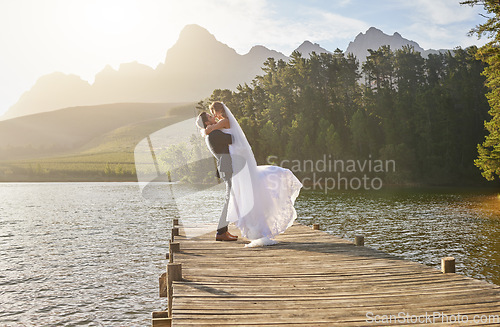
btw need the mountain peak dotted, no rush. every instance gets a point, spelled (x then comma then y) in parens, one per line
(307, 47)
(195, 42)
(372, 30)
(258, 48)
(195, 31)
(374, 39)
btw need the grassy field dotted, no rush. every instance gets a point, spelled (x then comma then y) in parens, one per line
(117, 166)
(108, 155)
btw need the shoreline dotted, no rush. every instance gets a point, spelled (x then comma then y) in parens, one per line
(407, 186)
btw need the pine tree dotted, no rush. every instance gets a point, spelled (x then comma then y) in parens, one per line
(489, 151)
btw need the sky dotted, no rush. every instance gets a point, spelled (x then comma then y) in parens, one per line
(81, 37)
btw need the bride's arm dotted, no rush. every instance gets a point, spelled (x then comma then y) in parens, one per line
(221, 124)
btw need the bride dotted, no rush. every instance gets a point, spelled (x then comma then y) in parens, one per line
(262, 197)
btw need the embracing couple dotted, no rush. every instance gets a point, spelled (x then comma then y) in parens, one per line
(259, 199)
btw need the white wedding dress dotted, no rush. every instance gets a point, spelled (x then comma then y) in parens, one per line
(262, 197)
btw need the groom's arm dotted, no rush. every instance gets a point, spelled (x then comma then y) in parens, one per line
(222, 137)
(228, 138)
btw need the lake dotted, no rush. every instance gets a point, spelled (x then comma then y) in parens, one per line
(90, 254)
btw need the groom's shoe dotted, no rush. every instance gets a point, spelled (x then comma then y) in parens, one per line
(234, 236)
(225, 237)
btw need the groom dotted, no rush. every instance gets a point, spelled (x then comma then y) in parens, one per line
(218, 143)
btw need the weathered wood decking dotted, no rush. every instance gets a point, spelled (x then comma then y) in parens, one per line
(314, 279)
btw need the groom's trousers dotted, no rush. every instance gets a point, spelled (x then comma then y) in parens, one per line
(222, 228)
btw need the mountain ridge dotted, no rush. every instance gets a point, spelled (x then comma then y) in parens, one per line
(64, 131)
(307, 47)
(212, 65)
(375, 38)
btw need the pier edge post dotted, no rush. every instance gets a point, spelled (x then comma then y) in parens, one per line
(173, 233)
(174, 247)
(163, 285)
(170, 297)
(174, 271)
(170, 256)
(359, 240)
(161, 319)
(448, 265)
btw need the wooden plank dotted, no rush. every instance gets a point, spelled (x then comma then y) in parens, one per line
(311, 278)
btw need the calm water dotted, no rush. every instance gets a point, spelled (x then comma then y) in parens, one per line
(91, 253)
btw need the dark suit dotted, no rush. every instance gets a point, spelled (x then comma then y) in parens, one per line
(218, 143)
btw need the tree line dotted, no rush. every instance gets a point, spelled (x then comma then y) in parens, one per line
(489, 150)
(426, 114)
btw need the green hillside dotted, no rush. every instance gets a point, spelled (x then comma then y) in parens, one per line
(82, 144)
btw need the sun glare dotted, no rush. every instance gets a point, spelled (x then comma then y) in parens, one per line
(112, 17)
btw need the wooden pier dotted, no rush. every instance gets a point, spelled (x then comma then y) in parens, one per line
(314, 279)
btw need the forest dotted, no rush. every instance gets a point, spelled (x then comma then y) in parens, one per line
(425, 114)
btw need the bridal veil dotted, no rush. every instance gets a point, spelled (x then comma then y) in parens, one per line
(262, 197)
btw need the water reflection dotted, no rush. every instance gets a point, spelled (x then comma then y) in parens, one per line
(91, 253)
